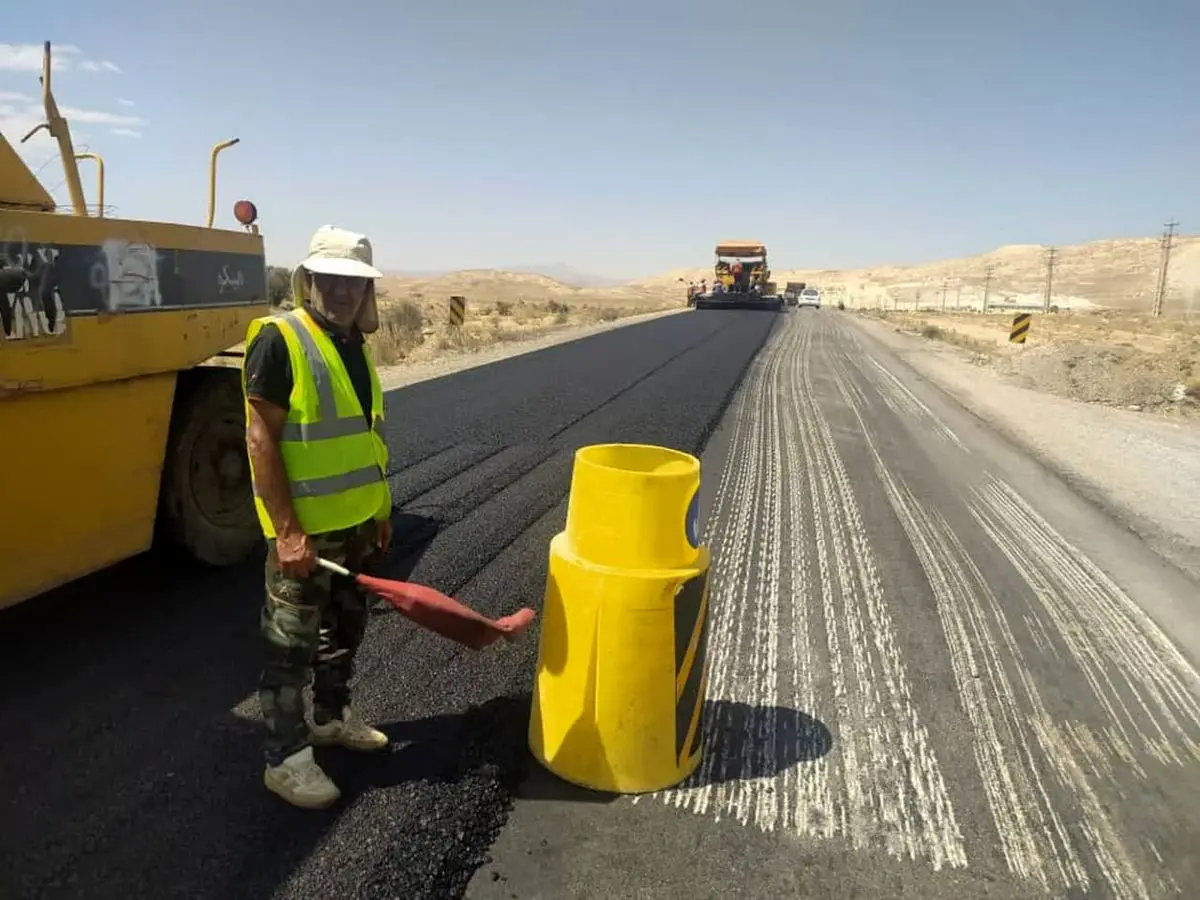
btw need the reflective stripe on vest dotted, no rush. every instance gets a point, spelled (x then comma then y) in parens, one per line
(328, 426)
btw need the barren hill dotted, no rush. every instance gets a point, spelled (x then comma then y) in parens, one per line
(489, 286)
(1113, 273)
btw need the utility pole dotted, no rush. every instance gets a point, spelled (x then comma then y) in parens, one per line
(917, 302)
(1161, 294)
(945, 288)
(987, 283)
(1050, 254)
(958, 295)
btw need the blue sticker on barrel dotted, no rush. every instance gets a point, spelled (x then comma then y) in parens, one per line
(692, 524)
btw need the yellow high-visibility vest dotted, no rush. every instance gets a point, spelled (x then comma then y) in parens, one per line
(336, 465)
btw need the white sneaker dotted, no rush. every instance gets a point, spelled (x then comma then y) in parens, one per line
(301, 782)
(350, 732)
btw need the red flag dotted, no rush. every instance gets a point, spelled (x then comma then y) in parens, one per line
(439, 613)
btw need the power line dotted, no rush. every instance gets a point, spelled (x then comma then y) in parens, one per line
(1161, 293)
(1050, 255)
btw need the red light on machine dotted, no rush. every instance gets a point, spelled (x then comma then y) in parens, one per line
(245, 212)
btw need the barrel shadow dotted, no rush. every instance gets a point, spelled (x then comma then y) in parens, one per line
(744, 741)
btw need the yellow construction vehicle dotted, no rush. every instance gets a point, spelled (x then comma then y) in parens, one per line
(117, 421)
(741, 278)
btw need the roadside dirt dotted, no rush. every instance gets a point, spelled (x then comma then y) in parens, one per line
(1144, 467)
(451, 360)
(1113, 358)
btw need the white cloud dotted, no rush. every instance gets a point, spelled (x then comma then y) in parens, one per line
(120, 100)
(16, 123)
(28, 57)
(97, 117)
(102, 65)
(17, 120)
(12, 97)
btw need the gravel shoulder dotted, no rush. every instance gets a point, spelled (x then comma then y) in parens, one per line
(1144, 468)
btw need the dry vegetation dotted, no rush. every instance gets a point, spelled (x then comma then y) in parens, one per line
(502, 307)
(1115, 273)
(506, 307)
(1110, 356)
(411, 331)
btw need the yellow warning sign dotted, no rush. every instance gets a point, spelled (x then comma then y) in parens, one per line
(691, 644)
(1020, 328)
(619, 692)
(458, 311)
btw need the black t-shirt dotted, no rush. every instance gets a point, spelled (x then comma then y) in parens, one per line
(268, 366)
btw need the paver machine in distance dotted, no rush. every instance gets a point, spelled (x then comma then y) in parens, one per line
(119, 423)
(741, 278)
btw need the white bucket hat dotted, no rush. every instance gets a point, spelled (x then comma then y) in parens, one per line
(335, 251)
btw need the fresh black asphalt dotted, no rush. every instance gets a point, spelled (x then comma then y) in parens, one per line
(130, 765)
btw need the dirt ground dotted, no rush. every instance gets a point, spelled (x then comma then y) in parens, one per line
(1110, 357)
(1143, 466)
(416, 331)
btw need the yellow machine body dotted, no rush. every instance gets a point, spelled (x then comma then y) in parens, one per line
(98, 319)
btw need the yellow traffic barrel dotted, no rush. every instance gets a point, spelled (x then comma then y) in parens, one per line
(621, 672)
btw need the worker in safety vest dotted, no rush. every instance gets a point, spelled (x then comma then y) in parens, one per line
(314, 434)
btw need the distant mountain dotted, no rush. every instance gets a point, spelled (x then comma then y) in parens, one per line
(560, 272)
(416, 273)
(568, 275)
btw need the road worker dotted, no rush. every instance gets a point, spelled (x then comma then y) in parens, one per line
(314, 425)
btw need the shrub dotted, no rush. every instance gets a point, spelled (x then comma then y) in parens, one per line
(401, 330)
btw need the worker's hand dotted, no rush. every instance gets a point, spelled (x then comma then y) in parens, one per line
(297, 558)
(383, 534)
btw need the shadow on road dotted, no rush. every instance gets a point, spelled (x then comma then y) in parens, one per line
(126, 682)
(440, 748)
(745, 742)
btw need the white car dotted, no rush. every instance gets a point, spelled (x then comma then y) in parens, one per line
(810, 297)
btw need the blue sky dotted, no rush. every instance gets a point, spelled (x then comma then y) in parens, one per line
(625, 138)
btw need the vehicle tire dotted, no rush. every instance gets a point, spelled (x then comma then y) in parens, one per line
(206, 504)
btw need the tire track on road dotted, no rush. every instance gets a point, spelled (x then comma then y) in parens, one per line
(1023, 816)
(882, 786)
(1054, 785)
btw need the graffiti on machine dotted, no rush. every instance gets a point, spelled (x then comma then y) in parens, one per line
(31, 305)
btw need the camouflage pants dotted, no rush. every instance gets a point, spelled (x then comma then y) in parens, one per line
(311, 628)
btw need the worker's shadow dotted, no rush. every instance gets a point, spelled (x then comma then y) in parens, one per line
(481, 742)
(411, 536)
